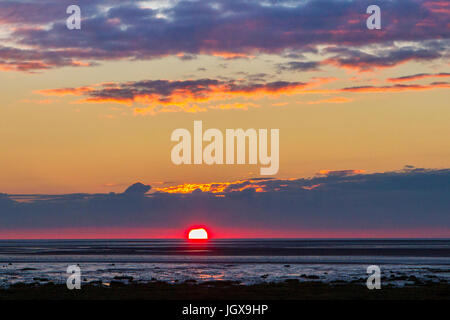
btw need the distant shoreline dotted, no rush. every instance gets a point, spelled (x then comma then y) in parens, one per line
(239, 247)
(234, 239)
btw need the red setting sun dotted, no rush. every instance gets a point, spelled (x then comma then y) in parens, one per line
(198, 234)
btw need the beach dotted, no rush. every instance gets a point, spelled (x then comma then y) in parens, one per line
(225, 269)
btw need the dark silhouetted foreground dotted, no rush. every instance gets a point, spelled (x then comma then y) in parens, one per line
(290, 290)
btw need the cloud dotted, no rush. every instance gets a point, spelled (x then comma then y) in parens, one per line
(331, 100)
(16, 59)
(217, 187)
(137, 189)
(398, 87)
(232, 106)
(200, 95)
(420, 76)
(299, 66)
(350, 200)
(383, 58)
(184, 95)
(130, 30)
(438, 6)
(340, 173)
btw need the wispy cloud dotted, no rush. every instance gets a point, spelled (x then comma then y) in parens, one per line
(299, 66)
(184, 95)
(155, 96)
(382, 58)
(331, 100)
(420, 76)
(398, 87)
(340, 173)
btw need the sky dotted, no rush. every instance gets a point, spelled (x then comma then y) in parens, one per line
(362, 114)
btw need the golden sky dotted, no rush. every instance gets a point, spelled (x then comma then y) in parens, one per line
(53, 143)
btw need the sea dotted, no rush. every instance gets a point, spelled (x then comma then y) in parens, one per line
(245, 261)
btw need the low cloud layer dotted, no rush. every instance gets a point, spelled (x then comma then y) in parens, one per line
(406, 200)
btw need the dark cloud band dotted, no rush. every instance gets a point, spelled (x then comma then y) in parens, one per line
(410, 199)
(113, 30)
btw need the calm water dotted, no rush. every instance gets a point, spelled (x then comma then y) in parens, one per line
(247, 261)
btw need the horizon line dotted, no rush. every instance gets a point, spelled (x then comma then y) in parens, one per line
(260, 238)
